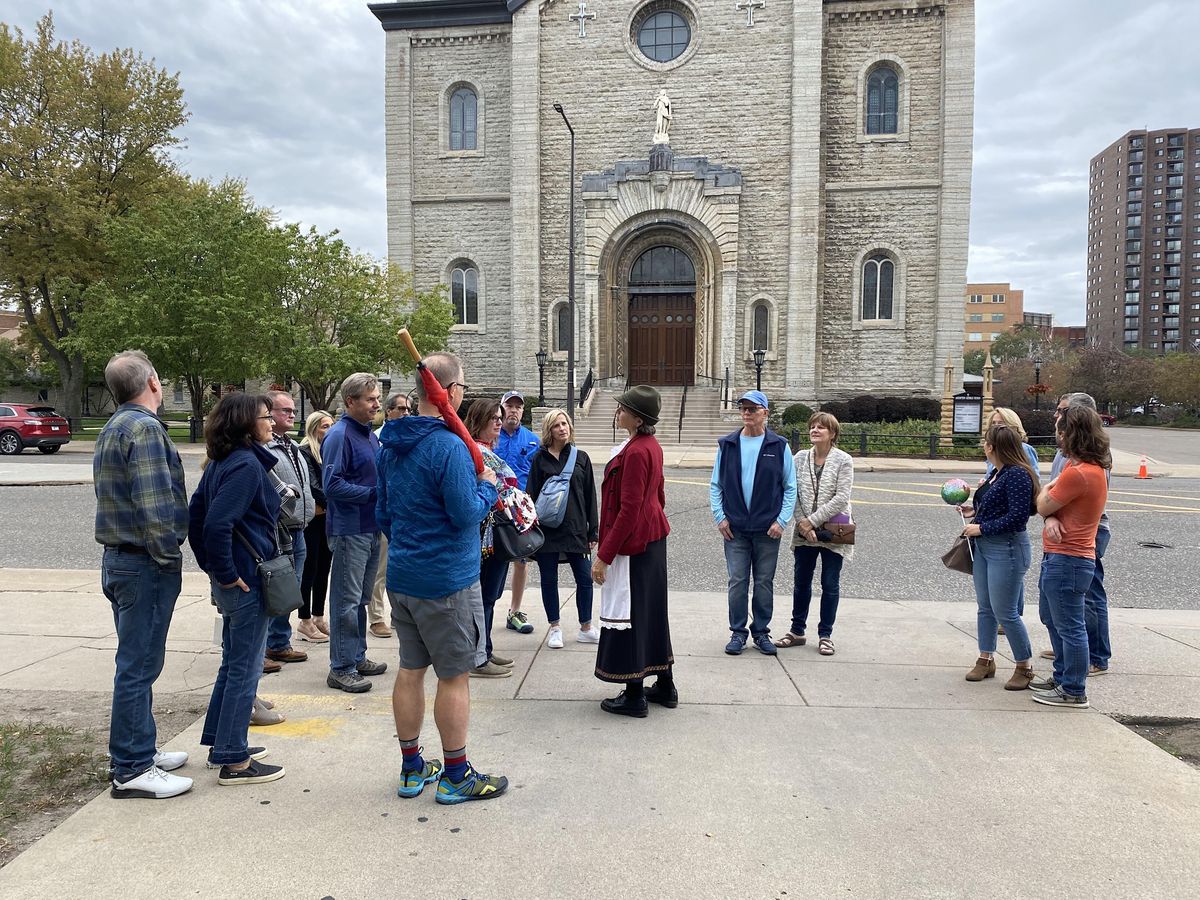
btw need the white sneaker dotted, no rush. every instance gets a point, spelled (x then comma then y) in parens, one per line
(554, 641)
(169, 760)
(589, 637)
(153, 784)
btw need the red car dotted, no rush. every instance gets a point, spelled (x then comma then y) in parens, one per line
(24, 425)
(1106, 419)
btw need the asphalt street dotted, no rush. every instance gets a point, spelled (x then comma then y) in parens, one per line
(903, 528)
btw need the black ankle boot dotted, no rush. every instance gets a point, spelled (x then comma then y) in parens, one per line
(624, 705)
(663, 693)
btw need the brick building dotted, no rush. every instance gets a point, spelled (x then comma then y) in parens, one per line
(1143, 289)
(990, 310)
(803, 186)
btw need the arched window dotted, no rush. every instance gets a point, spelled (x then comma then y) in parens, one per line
(463, 119)
(464, 294)
(663, 270)
(761, 337)
(878, 275)
(562, 328)
(883, 101)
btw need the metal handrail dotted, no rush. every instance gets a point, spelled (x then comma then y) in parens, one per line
(682, 407)
(588, 384)
(603, 382)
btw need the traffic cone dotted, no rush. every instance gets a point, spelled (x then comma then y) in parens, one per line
(1142, 473)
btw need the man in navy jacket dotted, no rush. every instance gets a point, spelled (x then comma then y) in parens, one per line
(348, 476)
(753, 495)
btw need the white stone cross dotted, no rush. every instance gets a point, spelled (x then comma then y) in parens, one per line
(750, 6)
(583, 15)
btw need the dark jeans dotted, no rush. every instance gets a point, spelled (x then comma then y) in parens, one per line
(355, 557)
(279, 632)
(243, 642)
(831, 575)
(751, 555)
(142, 594)
(581, 568)
(492, 575)
(1064, 582)
(314, 584)
(1095, 608)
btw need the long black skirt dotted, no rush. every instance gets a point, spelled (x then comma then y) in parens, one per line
(633, 653)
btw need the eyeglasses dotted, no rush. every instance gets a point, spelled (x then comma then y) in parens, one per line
(402, 409)
(749, 408)
(267, 418)
(287, 412)
(497, 418)
(460, 384)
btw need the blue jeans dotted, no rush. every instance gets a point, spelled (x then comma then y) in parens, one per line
(1064, 582)
(351, 580)
(243, 641)
(492, 575)
(1095, 608)
(1001, 561)
(581, 568)
(749, 553)
(279, 632)
(831, 577)
(142, 594)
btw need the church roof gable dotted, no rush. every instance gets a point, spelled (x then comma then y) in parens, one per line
(412, 14)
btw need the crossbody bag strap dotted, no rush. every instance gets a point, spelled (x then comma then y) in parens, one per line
(254, 553)
(569, 469)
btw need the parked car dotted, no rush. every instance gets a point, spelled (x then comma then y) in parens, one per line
(1107, 419)
(24, 425)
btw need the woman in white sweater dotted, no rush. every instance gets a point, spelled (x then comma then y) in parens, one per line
(824, 480)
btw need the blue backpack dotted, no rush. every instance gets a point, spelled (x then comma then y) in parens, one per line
(552, 499)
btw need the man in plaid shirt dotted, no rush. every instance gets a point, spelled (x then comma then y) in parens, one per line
(141, 519)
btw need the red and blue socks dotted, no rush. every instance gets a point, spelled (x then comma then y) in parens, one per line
(413, 761)
(456, 764)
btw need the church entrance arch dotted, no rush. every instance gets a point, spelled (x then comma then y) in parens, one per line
(662, 317)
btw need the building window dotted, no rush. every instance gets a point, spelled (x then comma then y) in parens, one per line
(883, 101)
(662, 34)
(997, 298)
(464, 109)
(997, 317)
(761, 338)
(878, 275)
(976, 298)
(975, 318)
(464, 294)
(974, 336)
(562, 328)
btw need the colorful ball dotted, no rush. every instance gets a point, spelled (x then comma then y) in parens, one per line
(956, 491)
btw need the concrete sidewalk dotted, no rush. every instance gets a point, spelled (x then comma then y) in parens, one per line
(878, 772)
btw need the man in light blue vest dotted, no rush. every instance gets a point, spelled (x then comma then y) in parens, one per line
(753, 495)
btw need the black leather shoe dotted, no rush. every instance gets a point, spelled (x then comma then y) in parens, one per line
(668, 697)
(621, 705)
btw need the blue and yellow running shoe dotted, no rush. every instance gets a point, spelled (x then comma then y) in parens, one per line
(412, 783)
(474, 786)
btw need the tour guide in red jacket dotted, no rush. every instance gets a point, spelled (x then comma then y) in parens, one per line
(631, 564)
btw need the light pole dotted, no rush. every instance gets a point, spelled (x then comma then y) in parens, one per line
(760, 356)
(570, 272)
(540, 356)
(1037, 383)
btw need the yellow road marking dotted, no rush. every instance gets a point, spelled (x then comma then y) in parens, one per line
(311, 727)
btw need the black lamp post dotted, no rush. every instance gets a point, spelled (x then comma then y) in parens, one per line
(540, 356)
(760, 356)
(1037, 383)
(570, 272)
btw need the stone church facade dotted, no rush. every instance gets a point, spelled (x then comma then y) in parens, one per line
(809, 195)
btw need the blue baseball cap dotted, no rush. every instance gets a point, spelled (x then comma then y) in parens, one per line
(756, 397)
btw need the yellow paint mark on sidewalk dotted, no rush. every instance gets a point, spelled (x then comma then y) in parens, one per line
(318, 727)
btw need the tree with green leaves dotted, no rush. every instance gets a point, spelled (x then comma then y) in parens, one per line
(194, 283)
(339, 312)
(973, 361)
(83, 142)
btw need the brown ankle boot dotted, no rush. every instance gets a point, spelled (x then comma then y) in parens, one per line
(984, 668)
(1021, 677)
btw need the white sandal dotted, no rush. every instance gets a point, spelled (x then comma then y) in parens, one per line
(825, 646)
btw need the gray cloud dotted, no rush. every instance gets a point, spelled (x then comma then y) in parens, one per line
(289, 97)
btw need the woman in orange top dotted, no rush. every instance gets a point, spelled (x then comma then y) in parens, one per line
(1076, 498)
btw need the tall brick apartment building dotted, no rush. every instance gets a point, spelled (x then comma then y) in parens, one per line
(809, 196)
(1144, 242)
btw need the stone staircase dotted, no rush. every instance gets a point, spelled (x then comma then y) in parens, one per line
(703, 420)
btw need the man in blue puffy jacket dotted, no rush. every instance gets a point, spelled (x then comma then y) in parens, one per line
(430, 505)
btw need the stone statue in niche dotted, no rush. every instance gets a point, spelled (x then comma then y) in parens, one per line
(662, 118)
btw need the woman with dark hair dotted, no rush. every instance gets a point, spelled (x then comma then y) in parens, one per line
(631, 564)
(1076, 499)
(234, 518)
(1003, 504)
(314, 580)
(483, 422)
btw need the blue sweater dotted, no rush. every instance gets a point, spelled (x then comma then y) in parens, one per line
(1006, 505)
(517, 450)
(430, 507)
(234, 491)
(348, 476)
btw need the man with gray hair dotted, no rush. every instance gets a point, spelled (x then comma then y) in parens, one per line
(141, 520)
(348, 476)
(1095, 601)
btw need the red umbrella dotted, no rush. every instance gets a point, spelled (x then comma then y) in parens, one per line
(438, 397)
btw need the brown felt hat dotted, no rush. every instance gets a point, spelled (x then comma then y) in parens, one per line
(643, 401)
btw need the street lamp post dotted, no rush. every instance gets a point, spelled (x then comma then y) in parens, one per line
(540, 356)
(1037, 383)
(760, 356)
(570, 272)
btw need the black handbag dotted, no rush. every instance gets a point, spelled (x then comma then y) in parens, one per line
(280, 589)
(508, 543)
(959, 558)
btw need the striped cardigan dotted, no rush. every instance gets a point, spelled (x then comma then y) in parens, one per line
(837, 480)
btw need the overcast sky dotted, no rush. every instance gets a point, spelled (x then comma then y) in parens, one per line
(289, 97)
